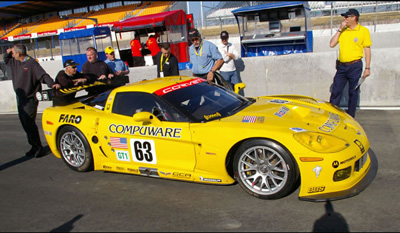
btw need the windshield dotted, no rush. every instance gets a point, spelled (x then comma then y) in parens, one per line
(203, 102)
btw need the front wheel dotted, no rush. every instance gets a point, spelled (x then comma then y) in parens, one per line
(74, 149)
(265, 169)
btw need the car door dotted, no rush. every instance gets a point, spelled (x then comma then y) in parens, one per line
(165, 145)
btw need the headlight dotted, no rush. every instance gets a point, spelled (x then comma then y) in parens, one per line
(342, 174)
(322, 143)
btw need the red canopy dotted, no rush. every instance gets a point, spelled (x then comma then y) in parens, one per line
(177, 17)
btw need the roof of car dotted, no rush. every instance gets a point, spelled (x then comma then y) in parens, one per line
(151, 86)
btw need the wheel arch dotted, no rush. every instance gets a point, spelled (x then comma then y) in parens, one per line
(234, 148)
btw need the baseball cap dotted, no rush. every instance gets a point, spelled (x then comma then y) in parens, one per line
(224, 35)
(109, 50)
(351, 12)
(70, 62)
(194, 33)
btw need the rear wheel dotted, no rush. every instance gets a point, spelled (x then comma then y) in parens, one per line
(265, 169)
(74, 149)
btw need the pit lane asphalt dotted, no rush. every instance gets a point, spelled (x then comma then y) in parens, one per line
(44, 195)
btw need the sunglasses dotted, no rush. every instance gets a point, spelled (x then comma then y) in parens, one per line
(348, 16)
(194, 39)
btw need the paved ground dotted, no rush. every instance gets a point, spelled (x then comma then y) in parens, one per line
(45, 195)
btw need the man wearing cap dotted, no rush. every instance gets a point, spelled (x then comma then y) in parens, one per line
(27, 78)
(229, 53)
(118, 67)
(93, 66)
(354, 40)
(70, 76)
(204, 56)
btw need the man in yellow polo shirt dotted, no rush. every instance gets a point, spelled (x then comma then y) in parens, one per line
(354, 40)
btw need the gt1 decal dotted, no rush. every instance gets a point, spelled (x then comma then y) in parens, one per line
(146, 131)
(122, 155)
(179, 86)
(143, 151)
(210, 179)
(360, 145)
(282, 111)
(215, 115)
(316, 189)
(331, 123)
(317, 170)
(278, 101)
(70, 119)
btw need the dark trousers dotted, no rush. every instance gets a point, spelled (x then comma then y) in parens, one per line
(138, 61)
(27, 109)
(347, 73)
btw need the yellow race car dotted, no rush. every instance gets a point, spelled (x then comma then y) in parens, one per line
(183, 128)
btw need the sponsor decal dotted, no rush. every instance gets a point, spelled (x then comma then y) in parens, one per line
(317, 170)
(210, 179)
(348, 160)
(335, 164)
(70, 119)
(178, 86)
(253, 119)
(107, 167)
(317, 189)
(146, 131)
(298, 130)
(120, 168)
(360, 145)
(282, 111)
(148, 171)
(215, 115)
(143, 151)
(48, 133)
(249, 119)
(122, 155)
(166, 173)
(117, 142)
(278, 101)
(182, 175)
(331, 123)
(133, 170)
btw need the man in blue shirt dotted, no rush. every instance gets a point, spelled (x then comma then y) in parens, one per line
(204, 56)
(118, 66)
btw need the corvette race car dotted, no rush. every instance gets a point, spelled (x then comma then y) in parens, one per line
(183, 128)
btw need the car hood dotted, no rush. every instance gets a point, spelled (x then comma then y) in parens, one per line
(297, 113)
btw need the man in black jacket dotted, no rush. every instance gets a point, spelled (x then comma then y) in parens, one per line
(27, 76)
(167, 63)
(95, 66)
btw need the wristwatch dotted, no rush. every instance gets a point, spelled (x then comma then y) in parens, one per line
(367, 68)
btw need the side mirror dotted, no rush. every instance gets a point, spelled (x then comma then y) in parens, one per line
(239, 86)
(146, 118)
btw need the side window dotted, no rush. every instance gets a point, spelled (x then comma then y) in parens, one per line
(129, 103)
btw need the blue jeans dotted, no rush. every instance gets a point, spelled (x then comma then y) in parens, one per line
(230, 76)
(347, 73)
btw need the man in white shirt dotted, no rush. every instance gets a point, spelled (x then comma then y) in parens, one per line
(229, 53)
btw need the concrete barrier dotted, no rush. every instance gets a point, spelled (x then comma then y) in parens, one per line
(309, 74)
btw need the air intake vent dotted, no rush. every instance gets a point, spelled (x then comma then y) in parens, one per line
(298, 98)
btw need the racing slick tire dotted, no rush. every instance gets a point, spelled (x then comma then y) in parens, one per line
(265, 169)
(74, 149)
